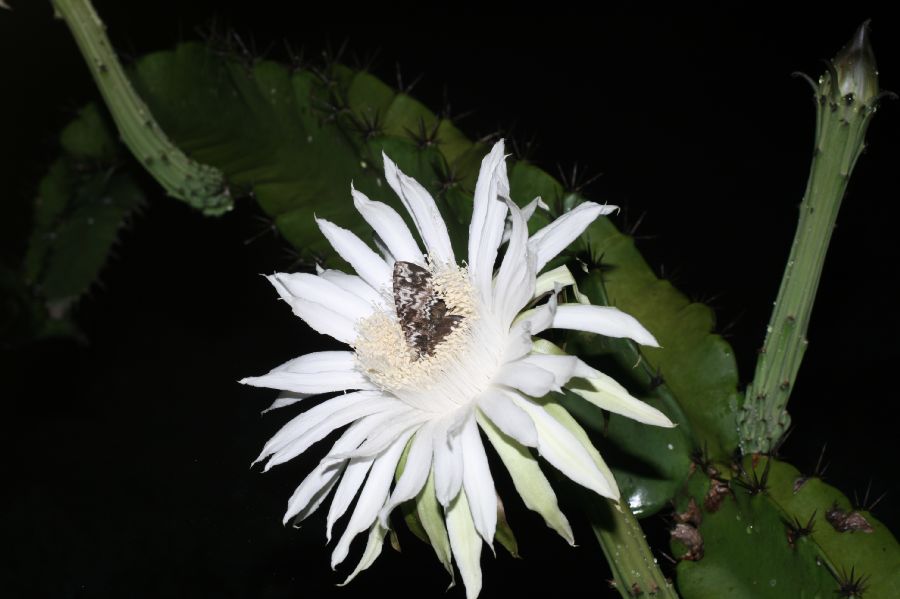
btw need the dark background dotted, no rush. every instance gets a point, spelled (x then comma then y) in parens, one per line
(126, 460)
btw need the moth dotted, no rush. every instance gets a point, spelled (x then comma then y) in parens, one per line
(424, 316)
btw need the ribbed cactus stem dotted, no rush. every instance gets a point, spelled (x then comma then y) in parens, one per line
(635, 571)
(846, 98)
(199, 185)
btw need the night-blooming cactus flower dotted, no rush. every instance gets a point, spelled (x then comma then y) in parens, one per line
(439, 349)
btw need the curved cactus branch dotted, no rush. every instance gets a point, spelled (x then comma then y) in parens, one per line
(199, 185)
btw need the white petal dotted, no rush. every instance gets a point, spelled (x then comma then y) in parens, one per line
(312, 384)
(456, 419)
(563, 368)
(527, 212)
(319, 372)
(371, 552)
(284, 399)
(415, 471)
(321, 319)
(317, 289)
(603, 320)
(528, 323)
(304, 421)
(332, 421)
(528, 379)
(355, 472)
(390, 228)
(528, 479)
(466, 545)
(556, 236)
(354, 285)
(400, 422)
(371, 499)
(607, 394)
(384, 251)
(529, 209)
(539, 319)
(326, 427)
(315, 487)
(351, 481)
(508, 417)
(514, 285)
(312, 491)
(356, 469)
(518, 341)
(488, 217)
(478, 482)
(367, 264)
(424, 212)
(448, 464)
(565, 452)
(320, 362)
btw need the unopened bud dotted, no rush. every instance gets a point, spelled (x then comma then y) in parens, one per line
(857, 74)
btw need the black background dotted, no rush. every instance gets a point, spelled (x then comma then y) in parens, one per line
(126, 461)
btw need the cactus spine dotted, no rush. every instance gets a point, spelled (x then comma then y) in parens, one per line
(846, 98)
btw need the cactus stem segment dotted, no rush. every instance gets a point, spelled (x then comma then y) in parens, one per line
(847, 97)
(199, 185)
(634, 568)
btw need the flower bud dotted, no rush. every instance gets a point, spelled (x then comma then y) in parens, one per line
(857, 74)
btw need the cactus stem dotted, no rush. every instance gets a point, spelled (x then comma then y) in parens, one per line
(848, 97)
(136, 125)
(633, 566)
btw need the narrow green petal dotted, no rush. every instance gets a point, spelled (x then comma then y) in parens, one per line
(561, 276)
(564, 418)
(466, 544)
(505, 535)
(413, 522)
(547, 281)
(530, 482)
(565, 451)
(372, 551)
(542, 346)
(432, 519)
(607, 394)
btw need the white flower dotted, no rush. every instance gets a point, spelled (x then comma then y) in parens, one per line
(440, 350)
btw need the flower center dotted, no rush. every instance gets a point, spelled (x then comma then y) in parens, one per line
(436, 351)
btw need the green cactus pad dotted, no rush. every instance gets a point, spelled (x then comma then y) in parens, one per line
(749, 549)
(83, 202)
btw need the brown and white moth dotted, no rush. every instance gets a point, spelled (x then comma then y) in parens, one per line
(423, 314)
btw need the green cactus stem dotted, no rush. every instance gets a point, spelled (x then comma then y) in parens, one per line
(846, 98)
(635, 571)
(199, 185)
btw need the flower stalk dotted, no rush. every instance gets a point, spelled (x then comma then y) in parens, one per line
(200, 185)
(846, 98)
